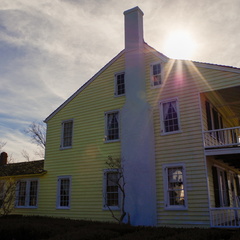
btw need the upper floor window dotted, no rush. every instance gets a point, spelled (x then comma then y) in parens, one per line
(169, 116)
(27, 193)
(119, 84)
(175, 186)
(67, 134)
(111, 191)
(156, 74)
(112, 126)
(63, 192)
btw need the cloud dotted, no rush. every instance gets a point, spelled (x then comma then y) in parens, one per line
(49, 48)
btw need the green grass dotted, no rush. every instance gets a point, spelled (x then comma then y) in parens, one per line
(36, 228)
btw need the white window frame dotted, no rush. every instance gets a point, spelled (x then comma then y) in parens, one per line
(62, 134)
(161, 103)
(105, 206)
(106, 114)
(116, 84)
(152, 75)
(59, 181)
(27, 193)
(167, 205)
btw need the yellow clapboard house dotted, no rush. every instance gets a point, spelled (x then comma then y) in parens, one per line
(173, 123)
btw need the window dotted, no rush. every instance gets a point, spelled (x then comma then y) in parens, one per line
(175, 186)
(112, 126)
(156, 78)
(27, 193)
(169, 116)
(119, 84)
(214, 121)
(67, 132)
(63, 192)
(111, 191)
(221, 189)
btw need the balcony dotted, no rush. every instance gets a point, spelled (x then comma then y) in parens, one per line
(222, 138)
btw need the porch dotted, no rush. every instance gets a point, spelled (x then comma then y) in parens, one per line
(221, 118)
(227, 217)
(222, 138)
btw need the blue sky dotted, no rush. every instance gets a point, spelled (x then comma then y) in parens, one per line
(49, 48)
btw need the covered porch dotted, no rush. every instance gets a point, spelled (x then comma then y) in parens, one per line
(221, 139)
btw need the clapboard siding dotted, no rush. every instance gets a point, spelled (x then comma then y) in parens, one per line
(187, 146)
(85, 161)
(184, 147)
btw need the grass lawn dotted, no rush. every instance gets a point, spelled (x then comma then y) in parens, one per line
(31, 228)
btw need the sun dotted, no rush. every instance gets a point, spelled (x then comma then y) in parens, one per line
(180, 45)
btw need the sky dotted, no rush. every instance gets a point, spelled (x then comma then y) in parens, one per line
(50, 48)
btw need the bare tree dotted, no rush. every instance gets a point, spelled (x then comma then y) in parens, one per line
(7, 196)
(7, 186)
(37, 132)
(2, 144)
(116, 165)
(26, 155)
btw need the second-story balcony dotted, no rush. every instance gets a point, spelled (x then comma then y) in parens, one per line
(222, 138)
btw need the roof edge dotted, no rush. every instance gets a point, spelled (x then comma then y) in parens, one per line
(84, 86)
(216, 66)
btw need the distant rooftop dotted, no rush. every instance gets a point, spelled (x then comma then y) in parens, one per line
(22, 168)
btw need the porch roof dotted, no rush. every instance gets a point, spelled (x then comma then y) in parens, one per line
(22, 168)
(231, 159)
(228, 97)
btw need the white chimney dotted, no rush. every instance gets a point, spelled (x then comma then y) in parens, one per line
(133, 28)
(137, 132)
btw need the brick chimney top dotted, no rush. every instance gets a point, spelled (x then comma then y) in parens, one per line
(3, 158)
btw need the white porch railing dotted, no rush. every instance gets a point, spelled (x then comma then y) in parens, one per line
(227, 137)
(225, 217)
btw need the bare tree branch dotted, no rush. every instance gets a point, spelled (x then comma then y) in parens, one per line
(37, 133)
(2, 144)
(7, 196)
(26, 155)
(116, 164)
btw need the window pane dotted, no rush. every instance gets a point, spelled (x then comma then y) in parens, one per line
(67, 134)
(112, 126)
(22, 193)
(175, 186)
(112, 189)
(33, 193)
(156, 74)
(120, 84)
(170, 117)
(64, 192)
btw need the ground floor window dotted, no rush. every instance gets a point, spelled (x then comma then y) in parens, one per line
(27, 193)
(63, 192)
(111, 189)
(175, 186)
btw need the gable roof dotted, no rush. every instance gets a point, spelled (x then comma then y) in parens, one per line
(84, 86)
(155, 52)
(22, 168)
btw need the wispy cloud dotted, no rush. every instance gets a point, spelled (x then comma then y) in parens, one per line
(49, 48)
